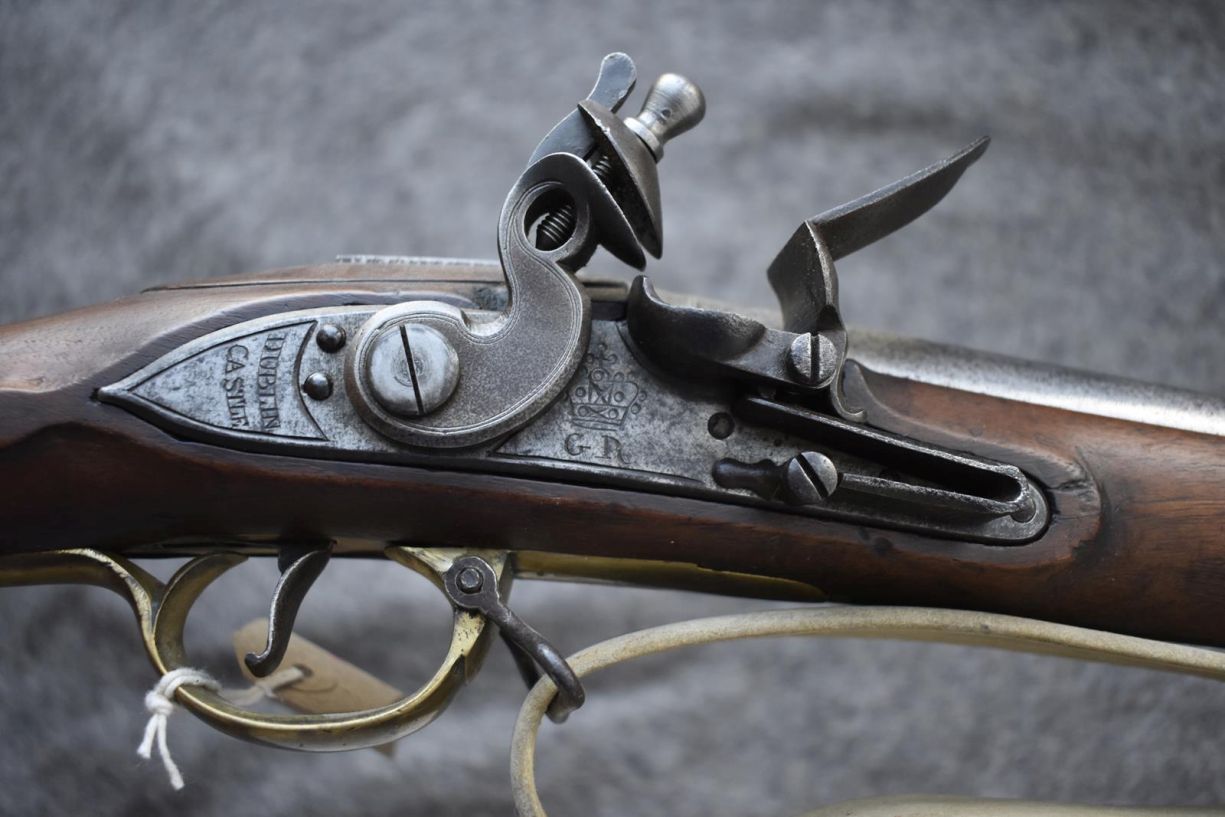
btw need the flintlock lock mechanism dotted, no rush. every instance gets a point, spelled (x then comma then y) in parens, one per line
(525, 381)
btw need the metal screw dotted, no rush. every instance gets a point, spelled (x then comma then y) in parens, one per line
(318, 386)
(672, 106)
(413, 370)
(809, 478)
(330, 337)
(812, 358)
(470, 580)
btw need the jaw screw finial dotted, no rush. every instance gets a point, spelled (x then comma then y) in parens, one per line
(673, 105)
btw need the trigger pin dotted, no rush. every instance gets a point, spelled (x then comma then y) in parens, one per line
(471, 584)
(300, 567)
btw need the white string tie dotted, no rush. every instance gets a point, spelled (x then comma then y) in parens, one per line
(159, 701)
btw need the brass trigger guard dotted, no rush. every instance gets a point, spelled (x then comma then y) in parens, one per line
(162, 610)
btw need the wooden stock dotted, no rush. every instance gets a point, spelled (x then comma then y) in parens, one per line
(1135, 544)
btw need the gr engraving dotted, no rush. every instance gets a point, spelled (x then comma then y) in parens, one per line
(602, 446)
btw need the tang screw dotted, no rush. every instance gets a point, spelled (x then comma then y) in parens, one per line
(673, 106)
(413, 369)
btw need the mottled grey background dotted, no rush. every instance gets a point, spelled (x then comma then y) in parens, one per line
(142, 143)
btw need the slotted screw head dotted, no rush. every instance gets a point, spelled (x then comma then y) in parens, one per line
(813, 358)
(809, 478)
(413, 369)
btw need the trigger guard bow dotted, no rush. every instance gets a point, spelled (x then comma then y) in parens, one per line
(161, 613)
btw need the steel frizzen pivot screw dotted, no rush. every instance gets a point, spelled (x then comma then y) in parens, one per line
(673, 105)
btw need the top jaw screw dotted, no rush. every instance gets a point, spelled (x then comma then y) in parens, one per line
(673, 105)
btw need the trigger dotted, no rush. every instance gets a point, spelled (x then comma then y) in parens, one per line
(300, 566)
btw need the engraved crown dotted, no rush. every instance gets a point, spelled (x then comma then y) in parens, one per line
(605, 396)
